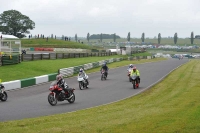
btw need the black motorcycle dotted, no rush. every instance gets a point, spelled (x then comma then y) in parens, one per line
(103, 75)
(3, 94)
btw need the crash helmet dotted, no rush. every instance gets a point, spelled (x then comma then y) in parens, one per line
(81, 70)
(131, 65)
(59, 77)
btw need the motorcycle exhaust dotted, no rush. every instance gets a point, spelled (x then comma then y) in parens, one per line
(70, 97)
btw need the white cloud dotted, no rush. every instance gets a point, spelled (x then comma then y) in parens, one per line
(67, 17)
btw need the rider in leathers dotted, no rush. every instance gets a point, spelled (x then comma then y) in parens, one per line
(137, 73)
(105, 68)
(83, 74)
(61, 82)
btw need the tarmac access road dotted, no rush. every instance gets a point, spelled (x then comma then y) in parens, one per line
(32, 101)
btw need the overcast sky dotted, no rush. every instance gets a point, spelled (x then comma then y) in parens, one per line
(68, 17)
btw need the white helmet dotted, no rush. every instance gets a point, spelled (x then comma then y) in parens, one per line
(131, 65)
(58, 77)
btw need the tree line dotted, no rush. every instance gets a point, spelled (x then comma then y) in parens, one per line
(13, 22)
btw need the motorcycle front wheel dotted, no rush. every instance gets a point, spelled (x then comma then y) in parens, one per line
(72, 99)
(4, 97)
(81, 85)
(130, 79)
(134, 86)
(52, 100)
(102, 76)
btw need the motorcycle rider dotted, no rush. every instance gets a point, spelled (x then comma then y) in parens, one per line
(130, 66)
(83, 74)
(61, 82)
(136, 72)
(105, 68)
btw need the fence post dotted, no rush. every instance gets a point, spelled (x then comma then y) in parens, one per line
(32, 56)
(49, 56)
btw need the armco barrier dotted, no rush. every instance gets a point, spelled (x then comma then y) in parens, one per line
(12, 84)
(28, 82)
(41, 79)
(52, 76)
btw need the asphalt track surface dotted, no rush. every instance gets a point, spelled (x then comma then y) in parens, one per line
(32, 101)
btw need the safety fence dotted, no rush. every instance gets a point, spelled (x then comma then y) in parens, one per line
(42, 56)
(15, 59)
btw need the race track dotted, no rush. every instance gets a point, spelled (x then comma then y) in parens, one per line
(32, 101)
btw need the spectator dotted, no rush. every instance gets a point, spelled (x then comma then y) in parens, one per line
(47, 39)
(55, 36)
(65, 38)
(29, 36)
(38, 35)
(1, 36)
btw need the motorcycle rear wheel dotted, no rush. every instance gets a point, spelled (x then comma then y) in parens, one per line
(71, 100)
(52, 100)
(5, 96)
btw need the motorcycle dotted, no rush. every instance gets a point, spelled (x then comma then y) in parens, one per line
(3, 94)
(57, 94)
(82, 82)
(129, 73)
(103, 75)
(135, 81)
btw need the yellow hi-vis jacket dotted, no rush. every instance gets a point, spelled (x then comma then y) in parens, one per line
(135, 73)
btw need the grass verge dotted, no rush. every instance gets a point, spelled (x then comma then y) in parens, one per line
(170, 106)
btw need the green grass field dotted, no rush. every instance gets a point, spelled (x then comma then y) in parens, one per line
(41, 67)
(53, 43)
(171, 106)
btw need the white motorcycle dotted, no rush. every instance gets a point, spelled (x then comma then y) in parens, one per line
(129, 73)
(82, 82)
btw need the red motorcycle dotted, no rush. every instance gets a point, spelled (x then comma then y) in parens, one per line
(57, 94)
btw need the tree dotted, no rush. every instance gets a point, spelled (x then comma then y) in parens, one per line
(143, 36)
(129, 37)
(114, 37)
(159, 38)
(12, 22)
(101, 37)
(88, 37)
(76, 37)
(192, 38)
(175, 38)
